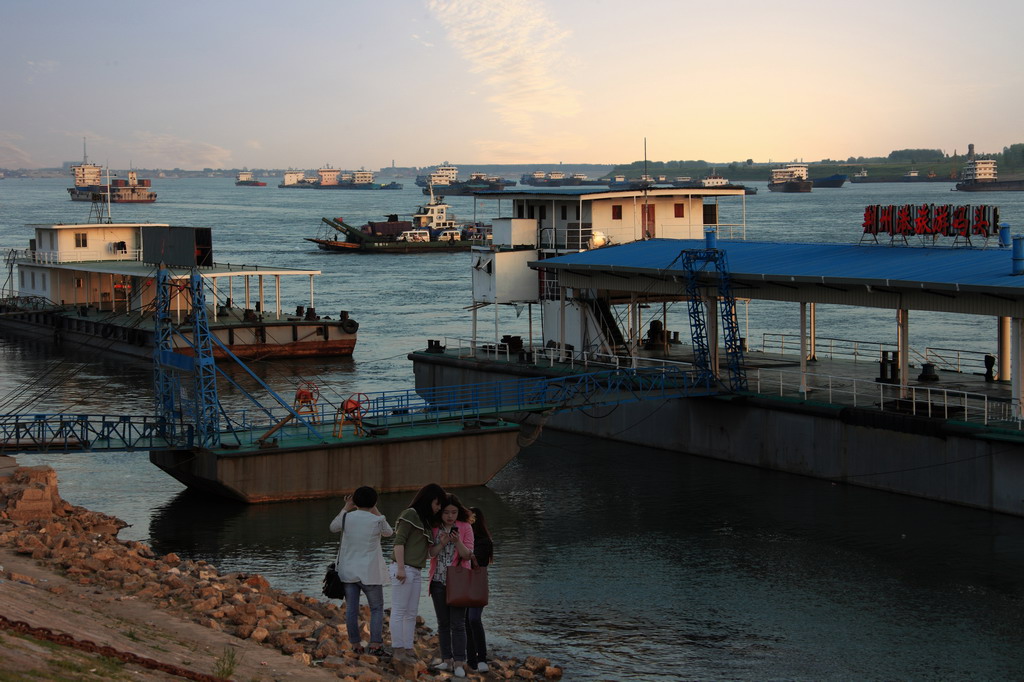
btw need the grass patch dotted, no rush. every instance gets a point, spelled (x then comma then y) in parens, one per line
(226, 664)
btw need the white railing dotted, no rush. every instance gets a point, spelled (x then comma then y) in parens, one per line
(918, 400)
(870, 351)
(956, 360)
(950, 359)
(924, 401)
(77, 256)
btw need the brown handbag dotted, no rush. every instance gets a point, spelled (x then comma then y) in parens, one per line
(467, 587)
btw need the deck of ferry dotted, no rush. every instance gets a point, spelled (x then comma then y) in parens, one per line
(839, 372)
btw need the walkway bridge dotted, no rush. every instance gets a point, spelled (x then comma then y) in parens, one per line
(189, 413)
(384, 410)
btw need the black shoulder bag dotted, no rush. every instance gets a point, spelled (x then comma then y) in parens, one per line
(333, 587)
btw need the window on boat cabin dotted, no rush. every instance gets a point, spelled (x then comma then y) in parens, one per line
(542, 212)
(33, 280)
(617, 212)
(565, 212)
(79, 283)
(81, 240)
(680, 210)
(21, 280)
(520, 211)
(42, 280)
(529, 213)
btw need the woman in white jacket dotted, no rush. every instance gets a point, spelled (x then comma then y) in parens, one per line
(361, 564)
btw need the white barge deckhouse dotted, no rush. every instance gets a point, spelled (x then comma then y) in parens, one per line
(92, 285)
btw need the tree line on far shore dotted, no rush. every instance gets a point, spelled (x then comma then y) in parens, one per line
(1009, 161)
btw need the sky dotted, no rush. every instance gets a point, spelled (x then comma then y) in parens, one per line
(367, 84)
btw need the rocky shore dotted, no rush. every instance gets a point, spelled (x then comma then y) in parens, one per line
(78, 603)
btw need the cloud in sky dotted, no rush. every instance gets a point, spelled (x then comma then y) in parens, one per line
(168, 151)
(12, 156)
(515, 47)
(502, 81)
(40, 67)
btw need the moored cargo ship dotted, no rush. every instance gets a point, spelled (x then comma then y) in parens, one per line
(979, 175)
(133, 190)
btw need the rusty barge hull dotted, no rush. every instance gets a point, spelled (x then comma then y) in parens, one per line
(253, 341)
(453, 455)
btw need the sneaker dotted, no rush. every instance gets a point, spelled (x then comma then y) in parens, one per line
(459, 670)
(481, 667)
(443, 666)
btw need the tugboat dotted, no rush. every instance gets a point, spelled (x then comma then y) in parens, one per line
(248, 179)
(431, 230)
(790, 178)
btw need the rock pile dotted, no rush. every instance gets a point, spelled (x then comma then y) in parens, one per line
(35, 521)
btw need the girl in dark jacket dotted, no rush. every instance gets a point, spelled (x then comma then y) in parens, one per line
(483, 554)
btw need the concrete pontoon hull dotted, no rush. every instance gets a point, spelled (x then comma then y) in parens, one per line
(932, 458)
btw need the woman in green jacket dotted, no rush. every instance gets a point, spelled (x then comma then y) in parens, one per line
(413, 537)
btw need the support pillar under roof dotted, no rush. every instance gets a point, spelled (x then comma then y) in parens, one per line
(1017, 338)
(1003, 341)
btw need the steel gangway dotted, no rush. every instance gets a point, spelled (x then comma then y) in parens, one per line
(189, 413)
(385, 409)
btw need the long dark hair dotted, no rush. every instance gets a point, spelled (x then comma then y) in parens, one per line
(480, 524)
(482, 537)
(422, 504)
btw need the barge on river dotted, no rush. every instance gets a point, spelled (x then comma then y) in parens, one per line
(893, 418)
(92, 285)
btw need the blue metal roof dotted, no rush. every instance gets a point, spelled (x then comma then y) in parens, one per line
(873, 264)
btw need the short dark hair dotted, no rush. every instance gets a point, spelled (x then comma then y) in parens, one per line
(364, 496)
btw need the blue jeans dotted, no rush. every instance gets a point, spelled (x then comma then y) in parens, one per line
(375, 598)
(451, 624)
(476, 642)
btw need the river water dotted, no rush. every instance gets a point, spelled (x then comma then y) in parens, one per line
(614, 561)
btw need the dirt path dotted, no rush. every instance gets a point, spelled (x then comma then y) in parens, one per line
(42, 598)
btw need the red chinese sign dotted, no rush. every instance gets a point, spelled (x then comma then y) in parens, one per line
(931, 219)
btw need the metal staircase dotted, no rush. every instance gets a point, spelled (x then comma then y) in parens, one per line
(197, 402)
(696, 261)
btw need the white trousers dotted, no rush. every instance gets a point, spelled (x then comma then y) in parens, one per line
(405, 602)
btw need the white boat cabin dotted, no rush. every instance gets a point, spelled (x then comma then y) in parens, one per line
(979, 170)
(112, 266)
(791, 171)
(540, 223)
(87, 175)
